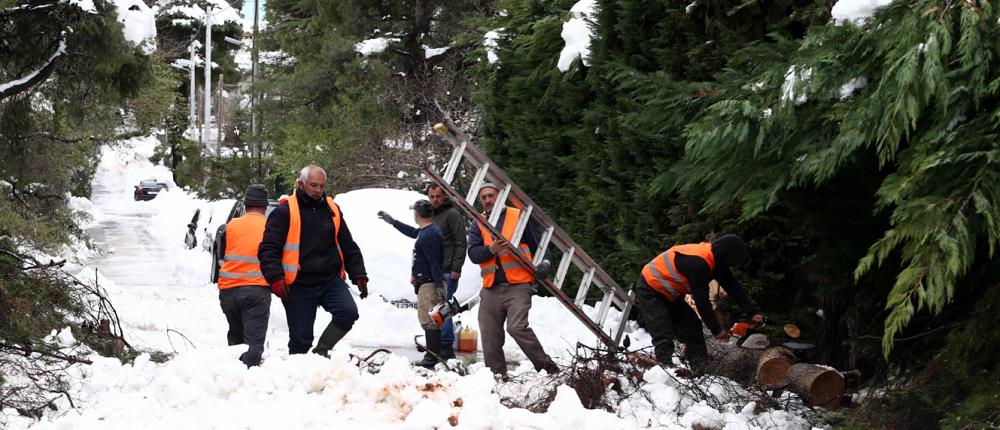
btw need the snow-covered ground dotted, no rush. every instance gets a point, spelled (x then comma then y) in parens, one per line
(165, 302)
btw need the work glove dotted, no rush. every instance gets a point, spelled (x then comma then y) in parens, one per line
(362, 284)
(759, 320)
(386, 217)
(543, 270)
(279, 288)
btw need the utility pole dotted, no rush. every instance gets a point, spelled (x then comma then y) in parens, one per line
(192, 103)
(219, 117)
(208, 73)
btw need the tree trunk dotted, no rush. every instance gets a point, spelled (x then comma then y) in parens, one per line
(772, 367)
(819, 386)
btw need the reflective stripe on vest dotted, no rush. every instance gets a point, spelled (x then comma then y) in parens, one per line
(290, 253)
(512, 269)
(240, 266)
(661, 273)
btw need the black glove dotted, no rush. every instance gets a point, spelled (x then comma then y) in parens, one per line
(362, 284)
(544, 269)
(386, 217)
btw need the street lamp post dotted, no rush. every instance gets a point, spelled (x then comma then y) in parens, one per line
(208, 75)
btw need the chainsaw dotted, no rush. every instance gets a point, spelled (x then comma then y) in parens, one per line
(441, 312)
(748, 335)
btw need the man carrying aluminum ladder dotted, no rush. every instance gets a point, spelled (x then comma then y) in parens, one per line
(507, 286)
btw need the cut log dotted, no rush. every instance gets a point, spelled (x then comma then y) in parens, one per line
(818, 386)
(792, 331)
(772, 368)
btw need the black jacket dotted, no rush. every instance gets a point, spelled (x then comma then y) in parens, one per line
(318, 258)
(454, 228)
(698, 273)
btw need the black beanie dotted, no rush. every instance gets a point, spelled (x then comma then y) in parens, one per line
(729, 250)
(256, 196)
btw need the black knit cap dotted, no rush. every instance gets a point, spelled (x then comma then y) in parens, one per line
(423, 208)
(256, 196)
(729, 250)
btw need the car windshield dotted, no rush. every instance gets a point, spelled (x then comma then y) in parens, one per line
(148, 183)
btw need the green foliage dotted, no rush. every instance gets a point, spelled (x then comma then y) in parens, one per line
(927, 114)
(51, 132)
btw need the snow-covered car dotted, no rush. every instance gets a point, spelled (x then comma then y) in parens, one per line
(148, 189)
(237, 210)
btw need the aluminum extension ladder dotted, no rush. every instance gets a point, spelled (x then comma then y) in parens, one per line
(551, 235)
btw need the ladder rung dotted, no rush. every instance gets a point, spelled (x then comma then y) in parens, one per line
(522, 226)
(605, 305)
(581, 294)
(456, 158)
(543, 245)
(477, 182)
(501, 202)
(564, 266)
(625, 312)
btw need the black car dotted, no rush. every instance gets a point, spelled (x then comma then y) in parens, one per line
(238, 210)
(148, 189)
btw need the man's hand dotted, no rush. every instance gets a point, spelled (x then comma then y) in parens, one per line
(279, 288)
(722, 335)
(543, 270)
(758, 320)
(362, 284)
(498, 245)
(456, 275)
(386, 217)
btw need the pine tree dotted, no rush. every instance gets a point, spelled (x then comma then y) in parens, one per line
(66, 75)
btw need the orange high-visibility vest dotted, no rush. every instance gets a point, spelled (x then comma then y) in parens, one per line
(662, 274)
(240, 266)
(290, 254)
(512, 269)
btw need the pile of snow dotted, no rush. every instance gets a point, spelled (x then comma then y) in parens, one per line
(138, 21)
(856, 11)
(374, 46)
(490, 43)
(577, 34)
(795, 79)
(851, 86)
(222, 11)
(434, 52)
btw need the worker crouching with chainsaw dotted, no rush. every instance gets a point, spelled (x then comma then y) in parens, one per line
(688, 269)
(427, 274)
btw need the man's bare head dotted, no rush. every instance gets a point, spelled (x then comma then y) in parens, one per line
(312, 181)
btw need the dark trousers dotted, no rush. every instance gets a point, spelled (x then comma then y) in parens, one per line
(665, 319)
(247, 310)
(300, 309)
(510, 303)
(448, 330)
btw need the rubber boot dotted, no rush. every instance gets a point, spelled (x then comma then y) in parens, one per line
(447, 352)
(697, 359)
(331, 335)
(433, 338)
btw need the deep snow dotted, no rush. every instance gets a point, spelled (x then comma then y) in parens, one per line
(165, 302)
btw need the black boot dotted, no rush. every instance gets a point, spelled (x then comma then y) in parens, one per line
(331, 335)
(447, 352)
(433, 338)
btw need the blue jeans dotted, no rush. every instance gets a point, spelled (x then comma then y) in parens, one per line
(448, 330)
(300, 310)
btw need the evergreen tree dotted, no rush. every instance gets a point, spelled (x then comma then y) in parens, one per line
(362, 113)
(66, 75)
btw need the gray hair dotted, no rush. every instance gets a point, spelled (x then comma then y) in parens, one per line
(304, 173)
